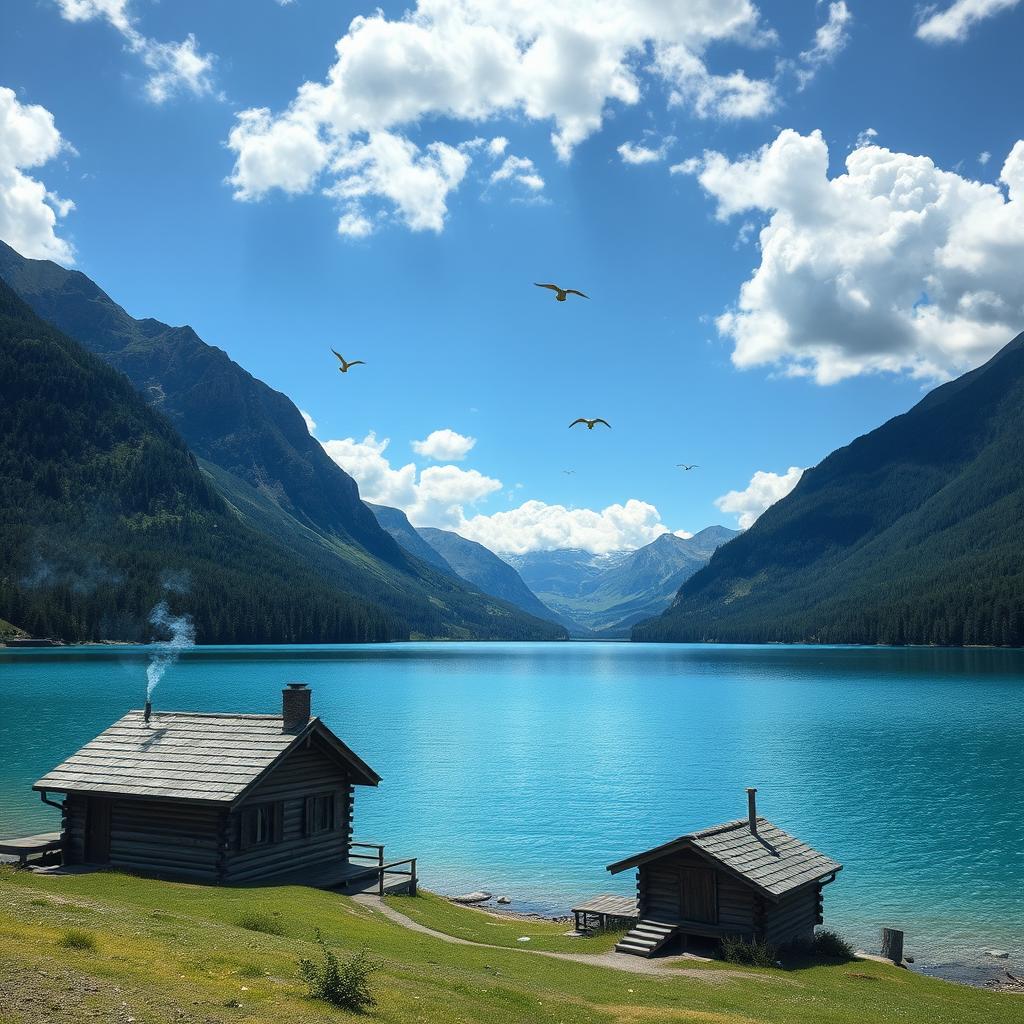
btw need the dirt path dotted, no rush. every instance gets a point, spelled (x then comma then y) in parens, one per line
(617, 961)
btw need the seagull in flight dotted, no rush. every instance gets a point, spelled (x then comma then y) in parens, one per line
(590, 423)
(561, 293)
(686, 468)
(568, 472)
(345, 367)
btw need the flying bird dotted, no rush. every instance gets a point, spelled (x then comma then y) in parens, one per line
(561, 293)
(686, 468)
(345, 367)
(590, 423)
(568, 472)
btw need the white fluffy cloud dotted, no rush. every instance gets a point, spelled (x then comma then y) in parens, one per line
(473, 60)
(955, 22)
(416, 182)
(445, 496)
(435, 496)
(444, 445)
(173, 67)
(635, 153)
(519, 169)
(29, 212)
(309, 421)
(537, 526)
(762, 492)
(829, 41)
(894, 266)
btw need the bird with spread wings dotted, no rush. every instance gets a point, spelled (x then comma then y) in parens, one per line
(686, 468)
(561, 293)
(346, 366)
(590, 423)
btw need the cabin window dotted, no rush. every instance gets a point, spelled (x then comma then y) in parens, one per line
(261, 825)
(319, 814)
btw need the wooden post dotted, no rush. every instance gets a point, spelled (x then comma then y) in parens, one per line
(412, 884)
(892, 945)
(380, 889)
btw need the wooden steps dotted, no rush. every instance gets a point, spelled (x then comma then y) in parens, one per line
(646, 938)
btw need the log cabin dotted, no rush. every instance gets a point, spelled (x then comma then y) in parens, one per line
(745, 878)
(218, 798)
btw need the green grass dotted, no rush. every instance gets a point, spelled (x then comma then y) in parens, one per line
(193, 962)
(75, 938)
(258, 921)
(497, 929)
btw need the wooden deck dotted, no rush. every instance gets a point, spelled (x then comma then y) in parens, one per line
(363, 872)
(602, 911)
(30, 846)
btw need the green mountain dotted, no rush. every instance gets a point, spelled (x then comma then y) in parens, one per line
(911, 534)
(485, 570)
(253, 443)
(604, 595)
(396, 522)
(104, 512)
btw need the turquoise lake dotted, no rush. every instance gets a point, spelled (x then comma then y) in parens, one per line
(525, 768)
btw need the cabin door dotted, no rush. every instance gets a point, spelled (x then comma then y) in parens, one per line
(97, 830)
(698, 895)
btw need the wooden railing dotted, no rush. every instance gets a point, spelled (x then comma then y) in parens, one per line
(379, 868)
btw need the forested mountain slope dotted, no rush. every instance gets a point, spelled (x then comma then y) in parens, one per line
(104, 512)
(254, 444)
(911, 534)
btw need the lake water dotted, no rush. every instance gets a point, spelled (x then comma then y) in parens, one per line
(526, 768)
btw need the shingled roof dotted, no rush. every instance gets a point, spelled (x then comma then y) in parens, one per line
(201, 758)
(771, 860)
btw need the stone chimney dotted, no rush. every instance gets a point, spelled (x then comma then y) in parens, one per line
(752, 809)
(295, 706)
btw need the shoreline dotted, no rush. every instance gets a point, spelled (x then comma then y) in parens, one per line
(996, 976)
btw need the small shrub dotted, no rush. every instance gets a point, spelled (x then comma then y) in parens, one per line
(345, 985)
(830, 945)
(250, 971)
(748, 954)
(257, 921)
(75, 938)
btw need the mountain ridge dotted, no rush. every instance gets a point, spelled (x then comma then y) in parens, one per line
(265, 458)
(909, 534)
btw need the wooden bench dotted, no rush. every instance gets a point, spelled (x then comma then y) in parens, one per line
(31, 846)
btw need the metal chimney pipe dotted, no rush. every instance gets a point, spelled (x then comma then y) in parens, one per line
(752, 809)
(296, 700)
(148, 712)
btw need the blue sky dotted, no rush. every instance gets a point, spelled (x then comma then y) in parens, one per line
(859, 293)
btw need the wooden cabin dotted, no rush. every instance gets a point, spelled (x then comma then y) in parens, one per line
(211, 797)
(746, 878)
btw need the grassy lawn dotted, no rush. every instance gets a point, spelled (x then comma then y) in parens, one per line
(497, 929)
(175, 954)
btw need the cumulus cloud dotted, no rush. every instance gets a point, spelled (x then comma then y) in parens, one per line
(635, 153)
(435, 496)
(173, 67)
(984, 156)
(29, 212)
(521, 170)
(829, 41)
(446, 496)
(388, 166)
(954, 24)
(537, 526)
(473, 60)
(444, 445)
(310, 422)
(893, 266)
(762, 492)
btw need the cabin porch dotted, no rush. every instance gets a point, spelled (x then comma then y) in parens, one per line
(363, 871)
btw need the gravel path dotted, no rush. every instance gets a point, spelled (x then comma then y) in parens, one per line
(617, 961)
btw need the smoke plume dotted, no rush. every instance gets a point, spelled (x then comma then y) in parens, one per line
(182, 635)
